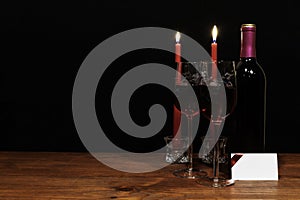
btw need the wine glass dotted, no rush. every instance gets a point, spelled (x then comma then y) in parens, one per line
(189, 108)
(218, 92)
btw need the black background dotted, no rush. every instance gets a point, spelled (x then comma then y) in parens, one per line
(43, 44)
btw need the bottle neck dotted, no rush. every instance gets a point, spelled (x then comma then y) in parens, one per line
(248, 40)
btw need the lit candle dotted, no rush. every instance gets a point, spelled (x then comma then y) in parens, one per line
(214, 46)
(177, 113)
(178, 56)
(177, 48)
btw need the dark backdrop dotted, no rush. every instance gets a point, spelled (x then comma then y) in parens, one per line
(43, 44)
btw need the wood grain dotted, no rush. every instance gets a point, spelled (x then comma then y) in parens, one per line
(63, 175)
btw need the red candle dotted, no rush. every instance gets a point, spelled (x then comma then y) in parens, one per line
(214, 49)
(176, 121)
(177, 113)
(178, 56)
(177, 48)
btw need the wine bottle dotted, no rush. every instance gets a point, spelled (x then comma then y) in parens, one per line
(250, 111)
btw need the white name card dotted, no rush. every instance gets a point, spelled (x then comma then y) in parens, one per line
(255, 166)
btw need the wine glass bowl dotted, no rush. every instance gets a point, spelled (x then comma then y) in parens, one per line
(212, 88)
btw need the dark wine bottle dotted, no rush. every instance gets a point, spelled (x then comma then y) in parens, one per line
(250, 111)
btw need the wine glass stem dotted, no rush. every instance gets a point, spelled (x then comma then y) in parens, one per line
(216, 153)
(190, 149)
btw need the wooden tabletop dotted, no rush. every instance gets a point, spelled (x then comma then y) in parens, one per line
(63, 175)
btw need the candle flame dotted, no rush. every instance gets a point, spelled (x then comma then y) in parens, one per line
(214, 33)
(177, 37)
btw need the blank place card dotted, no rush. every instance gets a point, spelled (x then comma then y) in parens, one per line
(254, 166)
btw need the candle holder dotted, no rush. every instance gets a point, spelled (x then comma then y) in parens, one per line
(176, 149)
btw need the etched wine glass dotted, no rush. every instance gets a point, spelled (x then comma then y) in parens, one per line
(189, 108)
(217, 100)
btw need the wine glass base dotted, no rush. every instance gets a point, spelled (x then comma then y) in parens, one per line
(190, 173)
(215, 182)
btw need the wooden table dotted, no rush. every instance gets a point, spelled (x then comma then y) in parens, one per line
(62, 175)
